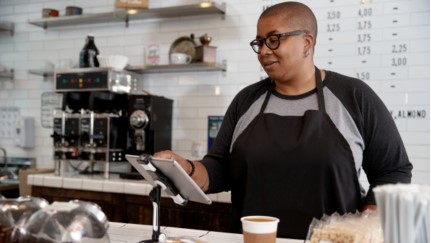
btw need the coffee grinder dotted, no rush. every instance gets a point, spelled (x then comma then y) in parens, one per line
(150, 126)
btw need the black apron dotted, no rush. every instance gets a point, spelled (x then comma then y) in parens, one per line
(294, 168)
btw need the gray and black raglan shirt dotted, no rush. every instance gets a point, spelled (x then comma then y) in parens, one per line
(354, 108)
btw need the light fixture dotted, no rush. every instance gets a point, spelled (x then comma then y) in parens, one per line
(217, 91)
(205, 4)
(132, 11)
(366, 1)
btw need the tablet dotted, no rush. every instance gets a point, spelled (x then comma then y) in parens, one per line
(171, 169)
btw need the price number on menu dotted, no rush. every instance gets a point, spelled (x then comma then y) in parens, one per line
(365, 76)
(334, 27)
(399, 48)
(364, 25)
(333, 15)
(364, 50)
(365, 37)
(365, 12)
(399, 61)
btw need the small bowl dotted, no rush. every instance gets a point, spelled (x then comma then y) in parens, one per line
(49, 12)
(113, 61)
(73, 10)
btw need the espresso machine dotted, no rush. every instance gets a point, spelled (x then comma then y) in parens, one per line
(104, 117)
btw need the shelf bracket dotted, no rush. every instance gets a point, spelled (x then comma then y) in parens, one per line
(7, 27)
(7, 75)
(224, 63)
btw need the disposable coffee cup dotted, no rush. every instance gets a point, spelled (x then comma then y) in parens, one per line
(259, 229)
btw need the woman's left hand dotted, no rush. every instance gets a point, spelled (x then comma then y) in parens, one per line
(168, 154)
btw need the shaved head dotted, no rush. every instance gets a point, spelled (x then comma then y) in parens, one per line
(296, 15)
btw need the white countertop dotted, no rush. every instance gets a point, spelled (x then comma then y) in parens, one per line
(133, 233)
(97, 183)
(121, 233)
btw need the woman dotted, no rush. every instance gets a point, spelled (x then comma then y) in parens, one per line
(293, 145)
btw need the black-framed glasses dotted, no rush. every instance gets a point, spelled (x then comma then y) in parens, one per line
(273, 40)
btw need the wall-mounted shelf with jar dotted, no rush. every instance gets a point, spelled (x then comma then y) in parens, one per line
(123, 15)
(7, 75)
(170, 68)
(7, 27)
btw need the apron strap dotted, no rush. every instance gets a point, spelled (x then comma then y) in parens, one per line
(265, 102)
(319, 87)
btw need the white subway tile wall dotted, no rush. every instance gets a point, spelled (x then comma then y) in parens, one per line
(385, 43)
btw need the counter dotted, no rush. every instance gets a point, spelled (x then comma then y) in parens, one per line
(97, 183)
(127, 201)
(121, 233)
(132, 205)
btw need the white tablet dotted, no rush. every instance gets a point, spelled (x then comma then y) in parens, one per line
(186, 186)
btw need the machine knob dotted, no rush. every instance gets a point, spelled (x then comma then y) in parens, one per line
(139, 119)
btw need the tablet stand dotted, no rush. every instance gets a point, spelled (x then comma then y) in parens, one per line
(155, 196)
(161, 183)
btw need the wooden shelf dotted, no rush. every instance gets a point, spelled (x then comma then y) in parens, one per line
(170, 68)
(121, 15)
(7, 27)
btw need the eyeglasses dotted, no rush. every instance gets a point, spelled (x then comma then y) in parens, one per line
(273, 40)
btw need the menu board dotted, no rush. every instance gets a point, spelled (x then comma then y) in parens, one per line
(385, 43)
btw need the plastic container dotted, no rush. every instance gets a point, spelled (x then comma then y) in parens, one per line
(71, 222)
(15, 212)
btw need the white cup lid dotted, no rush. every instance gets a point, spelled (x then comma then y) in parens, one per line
(266, 224)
